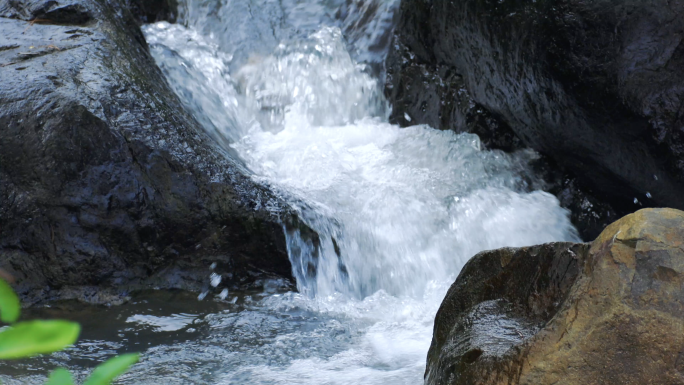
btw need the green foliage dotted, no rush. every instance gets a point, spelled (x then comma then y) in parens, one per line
(112, 368)
(104, 374)
(9, 303)
(26, 339)
(60, 376)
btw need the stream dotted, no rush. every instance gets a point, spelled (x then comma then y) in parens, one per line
(294, 88)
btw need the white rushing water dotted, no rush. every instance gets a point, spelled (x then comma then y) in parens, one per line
(399, 210)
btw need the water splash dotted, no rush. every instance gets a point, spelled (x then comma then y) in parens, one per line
(251, 29)
(311, 81)
(402, 207)
(398, 210)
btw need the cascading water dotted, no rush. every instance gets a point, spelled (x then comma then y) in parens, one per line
(291, 87)
(398, 210)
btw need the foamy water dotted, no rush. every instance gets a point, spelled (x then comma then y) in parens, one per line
(399, 210)
(292, 87)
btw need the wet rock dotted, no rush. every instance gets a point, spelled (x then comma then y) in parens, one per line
(588, 213)
(606, 313)
(595, 86)
(152, 11)
(424, 93)
(105, 180)
(436, 96)
(71, 12)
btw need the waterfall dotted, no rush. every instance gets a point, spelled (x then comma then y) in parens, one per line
(293, 88)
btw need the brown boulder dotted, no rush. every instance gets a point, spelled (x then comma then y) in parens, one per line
(607, 313)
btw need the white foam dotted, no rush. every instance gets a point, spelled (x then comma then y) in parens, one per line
(404, 205)
(164, 324)
(399, 210)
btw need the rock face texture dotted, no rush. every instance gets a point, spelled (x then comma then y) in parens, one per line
(595, 85)
(151, 11)
(607, 313)
(105, 180)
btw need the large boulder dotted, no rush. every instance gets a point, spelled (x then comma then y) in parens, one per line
(595, 85)
(607, 313)
(107, 184)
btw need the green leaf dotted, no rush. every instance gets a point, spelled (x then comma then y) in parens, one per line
(110, 369)
(60, 376)
(27, 339)
(9, 303)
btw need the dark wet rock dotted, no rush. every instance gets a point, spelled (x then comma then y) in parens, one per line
(589, 214)
(424, 93)
(106, 181)
(595, 86)
(152, 11)
(606, 313)
(73, 12)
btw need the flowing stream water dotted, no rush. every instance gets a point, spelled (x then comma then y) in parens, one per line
(294, 88)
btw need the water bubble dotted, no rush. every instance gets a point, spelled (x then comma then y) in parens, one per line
(215, 279)
(223, 294)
